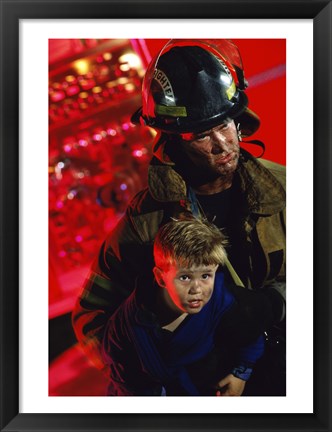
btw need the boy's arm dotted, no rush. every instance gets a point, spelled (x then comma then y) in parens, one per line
(233, 384)
(111, 280)
(230, 386)
(127, 375)
(241, 329)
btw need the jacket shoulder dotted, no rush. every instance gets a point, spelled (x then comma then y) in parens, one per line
(143, 203)
(146, 214)
(277, 170)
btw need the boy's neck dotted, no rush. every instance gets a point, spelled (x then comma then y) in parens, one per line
(166, 311)
(174, 324)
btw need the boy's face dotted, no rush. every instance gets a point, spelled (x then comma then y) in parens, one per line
(188, 288)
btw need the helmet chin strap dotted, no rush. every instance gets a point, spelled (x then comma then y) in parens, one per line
(255, 142)
(259, 144)
(239, 133)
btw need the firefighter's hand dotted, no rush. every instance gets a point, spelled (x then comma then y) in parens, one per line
(230, 386)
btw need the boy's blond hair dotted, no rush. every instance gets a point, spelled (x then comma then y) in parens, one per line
(189, 243)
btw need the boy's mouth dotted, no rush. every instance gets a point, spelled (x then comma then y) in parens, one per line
(194, 304)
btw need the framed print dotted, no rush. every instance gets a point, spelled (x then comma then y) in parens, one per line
(45, 49)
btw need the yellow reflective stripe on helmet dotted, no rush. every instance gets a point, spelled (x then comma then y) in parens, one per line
(172, 111)
(231, 91)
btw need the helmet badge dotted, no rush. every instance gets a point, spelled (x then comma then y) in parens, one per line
(170, 109)
(166, 86)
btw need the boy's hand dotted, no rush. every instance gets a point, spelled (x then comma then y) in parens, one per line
(230, 386)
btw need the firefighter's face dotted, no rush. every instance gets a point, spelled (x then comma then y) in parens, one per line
(216, 150)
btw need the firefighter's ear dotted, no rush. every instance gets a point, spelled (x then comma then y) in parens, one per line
(159, 275)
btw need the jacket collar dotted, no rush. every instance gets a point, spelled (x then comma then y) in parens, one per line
(264, 193)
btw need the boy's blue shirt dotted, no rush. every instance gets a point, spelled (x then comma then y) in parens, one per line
(134, 343)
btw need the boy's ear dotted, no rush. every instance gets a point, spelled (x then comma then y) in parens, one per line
(158, 274)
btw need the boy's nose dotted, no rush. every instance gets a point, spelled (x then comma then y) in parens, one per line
(195, 287)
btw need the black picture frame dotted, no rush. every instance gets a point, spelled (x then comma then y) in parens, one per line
(11, 13)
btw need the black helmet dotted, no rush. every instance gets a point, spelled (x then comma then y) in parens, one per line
(194, 85)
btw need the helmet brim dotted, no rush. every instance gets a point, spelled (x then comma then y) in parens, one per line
(249, 121)
(136, 116)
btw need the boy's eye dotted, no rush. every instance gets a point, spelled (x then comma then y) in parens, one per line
(206, 276)
(184, 278)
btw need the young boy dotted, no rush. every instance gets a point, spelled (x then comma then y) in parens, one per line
(165, 338)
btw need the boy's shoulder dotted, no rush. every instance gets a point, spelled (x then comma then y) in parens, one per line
(223, 297)
(219, 282)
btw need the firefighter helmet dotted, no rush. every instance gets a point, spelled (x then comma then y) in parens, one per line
(194, 85)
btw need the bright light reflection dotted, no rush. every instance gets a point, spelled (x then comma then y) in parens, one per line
(81, 66)
(132, 59)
